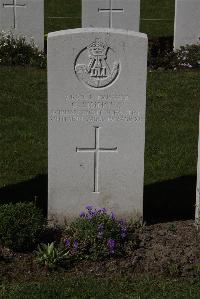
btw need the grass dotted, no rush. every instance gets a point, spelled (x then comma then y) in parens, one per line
(171, 126)
(62, 8)
(157, 9)
(23, 124)
(150, 9)
(84, 288)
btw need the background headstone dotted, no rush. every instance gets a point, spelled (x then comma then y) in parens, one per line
(198, 181)
(24, 17)
(187, 23)
(122, 14)
(97, 99)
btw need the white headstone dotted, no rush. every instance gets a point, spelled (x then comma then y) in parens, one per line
(198, 182)
(122, 14)
(187, 23)
(23, 17)
(96, 103)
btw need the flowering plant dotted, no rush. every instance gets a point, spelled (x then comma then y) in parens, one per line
(16, 51)
(96, 234)
(187, 57)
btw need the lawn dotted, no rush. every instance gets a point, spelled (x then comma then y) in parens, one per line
(70, 11)
(85, 288)
(172, 125)
(23, 126)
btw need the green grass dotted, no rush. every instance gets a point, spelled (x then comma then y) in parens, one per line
(86, 288)
(23, 124)
(62, 8)
(171, 126)
(150, 9)
(157, 9)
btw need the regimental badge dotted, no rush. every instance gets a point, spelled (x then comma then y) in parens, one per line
(101, 66)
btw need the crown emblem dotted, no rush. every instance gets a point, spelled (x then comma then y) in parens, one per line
(101, 68)
(97, 48)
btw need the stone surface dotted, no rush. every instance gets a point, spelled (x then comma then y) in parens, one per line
(122, 14)
(23, 17)
(198, 182)
(96, 103)
(187, 23)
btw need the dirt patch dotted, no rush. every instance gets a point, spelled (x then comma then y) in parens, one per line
(169, 248)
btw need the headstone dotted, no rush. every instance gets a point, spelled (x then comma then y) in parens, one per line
(187, 23)
(96, 103)
(23, 18)
(198, 182)
(122, 14)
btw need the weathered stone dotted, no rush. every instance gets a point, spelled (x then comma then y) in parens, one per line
(97, 99)
(122, 14)
(23, 18)
(187, 23)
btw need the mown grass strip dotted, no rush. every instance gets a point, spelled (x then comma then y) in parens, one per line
(84, 288)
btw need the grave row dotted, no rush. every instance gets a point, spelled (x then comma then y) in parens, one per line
(97, 103)
(96, 107)
(26, 17)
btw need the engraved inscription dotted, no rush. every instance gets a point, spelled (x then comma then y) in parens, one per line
(64, 115)
(14, 6)
(90, 108)
(101, 67)
(111, 10)
(96, 151)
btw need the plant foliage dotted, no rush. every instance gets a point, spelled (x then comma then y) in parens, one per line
(187, 57)
(50, 256)
(16, 51)
(97, 234)
(21, 225)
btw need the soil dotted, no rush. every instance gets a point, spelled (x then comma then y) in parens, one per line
(170, 249)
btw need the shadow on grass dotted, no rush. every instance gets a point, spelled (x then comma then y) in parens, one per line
(34, 190)
(170, 200)
(166, 201)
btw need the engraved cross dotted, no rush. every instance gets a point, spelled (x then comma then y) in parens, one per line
(96, 151)
(14, 6)
(111, 10)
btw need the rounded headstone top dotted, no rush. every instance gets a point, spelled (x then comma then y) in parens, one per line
(97, 30)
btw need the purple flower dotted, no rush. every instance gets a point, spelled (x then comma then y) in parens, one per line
(100, 230)
(123, 229)
(91, 213)
(98, 211)
(94, 213)
(75, 244)
(121, 222)
(101, 211)
(88, 216)
(113, 217)
(82, 214)
(89, 208)
(111, 245)
(123, 235)
(67, 243)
